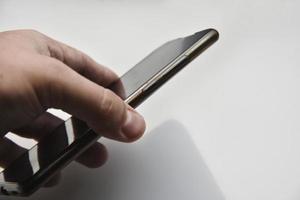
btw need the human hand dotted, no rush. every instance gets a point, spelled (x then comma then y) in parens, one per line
(37, 73)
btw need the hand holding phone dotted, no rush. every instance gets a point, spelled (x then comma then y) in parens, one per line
(43, 160)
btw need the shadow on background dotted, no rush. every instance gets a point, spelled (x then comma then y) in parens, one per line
(165, 164)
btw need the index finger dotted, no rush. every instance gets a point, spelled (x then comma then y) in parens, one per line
(81, 63)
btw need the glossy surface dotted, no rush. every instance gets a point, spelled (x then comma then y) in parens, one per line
(142, 72)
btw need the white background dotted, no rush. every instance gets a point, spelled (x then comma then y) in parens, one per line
(227, 127)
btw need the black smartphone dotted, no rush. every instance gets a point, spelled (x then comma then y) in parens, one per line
(25, 172)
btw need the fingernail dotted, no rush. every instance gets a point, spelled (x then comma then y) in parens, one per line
(134, 125)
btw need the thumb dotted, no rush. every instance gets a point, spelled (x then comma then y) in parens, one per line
(100, 108)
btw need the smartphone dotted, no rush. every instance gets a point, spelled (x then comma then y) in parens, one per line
(22, 173)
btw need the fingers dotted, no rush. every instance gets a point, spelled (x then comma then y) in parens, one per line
(113, 112)
(103, 111)
(81, 63)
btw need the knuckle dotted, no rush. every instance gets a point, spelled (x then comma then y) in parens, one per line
(51, 89)
(83, 61)
(107, 103)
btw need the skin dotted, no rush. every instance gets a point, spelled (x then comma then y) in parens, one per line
(38, 72)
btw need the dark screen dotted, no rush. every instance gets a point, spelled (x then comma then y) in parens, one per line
(19, 164)
(153, 63)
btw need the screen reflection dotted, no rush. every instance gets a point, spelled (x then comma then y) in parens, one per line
(156, 61)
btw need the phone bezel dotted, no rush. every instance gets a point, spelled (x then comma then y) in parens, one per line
(172, 68)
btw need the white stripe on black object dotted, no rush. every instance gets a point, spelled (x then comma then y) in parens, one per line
(33, 159)
(2, 179)
(70, 131)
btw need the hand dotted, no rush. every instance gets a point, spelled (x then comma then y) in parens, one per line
(37, 73)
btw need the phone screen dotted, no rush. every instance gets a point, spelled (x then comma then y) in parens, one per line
(17, 165)
(156, 61)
